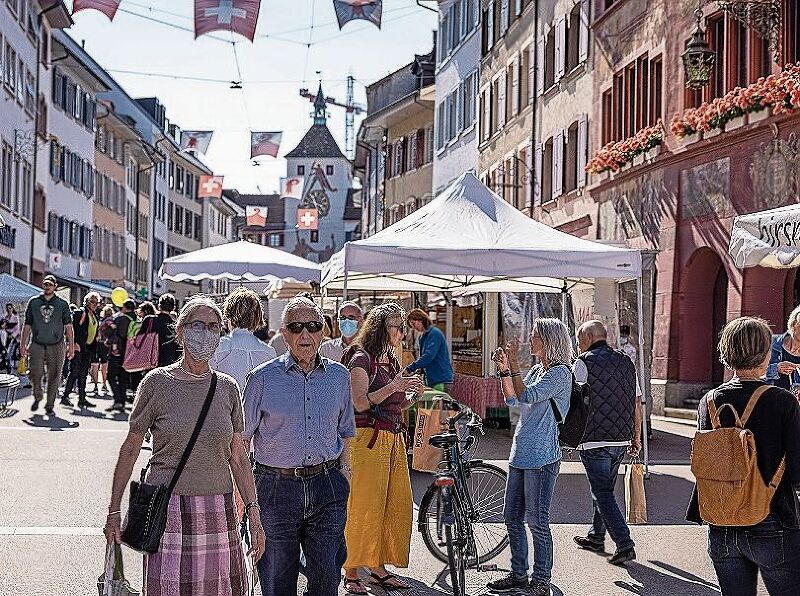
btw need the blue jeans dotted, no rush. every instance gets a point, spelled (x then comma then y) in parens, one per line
(739, 554)
(528, 496)
(302, 512)
(602, 466)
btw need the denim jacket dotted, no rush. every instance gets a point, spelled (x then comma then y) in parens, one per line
(775, 357)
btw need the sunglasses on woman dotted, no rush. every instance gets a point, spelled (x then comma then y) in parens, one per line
(297, 327)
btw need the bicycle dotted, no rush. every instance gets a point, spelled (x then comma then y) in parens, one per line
(461, 514)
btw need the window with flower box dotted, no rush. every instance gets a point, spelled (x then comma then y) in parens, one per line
(635, 99)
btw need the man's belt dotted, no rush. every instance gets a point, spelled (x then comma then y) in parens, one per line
(303, 472)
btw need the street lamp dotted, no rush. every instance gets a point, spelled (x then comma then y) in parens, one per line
(699, 58)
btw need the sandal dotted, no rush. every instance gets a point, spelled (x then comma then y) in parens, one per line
(383, 581)
(354, 586)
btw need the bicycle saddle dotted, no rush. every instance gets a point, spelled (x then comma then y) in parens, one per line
(443, 440)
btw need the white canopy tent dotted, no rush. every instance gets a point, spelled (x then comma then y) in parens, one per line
(238, 261)
(767, 239)
(468, 238)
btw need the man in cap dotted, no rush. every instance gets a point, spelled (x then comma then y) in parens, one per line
(48, 322)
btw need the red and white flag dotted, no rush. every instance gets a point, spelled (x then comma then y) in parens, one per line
(239, 16)
(107, 7)
(196, 140)
(350, 10)
(308, 219)
(292, 187)
(210, 187)
(256, 216)
(265, 143)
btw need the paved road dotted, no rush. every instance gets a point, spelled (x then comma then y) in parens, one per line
(55, 477)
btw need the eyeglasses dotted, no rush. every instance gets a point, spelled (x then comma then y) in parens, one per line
(298, 326)
(198, 326)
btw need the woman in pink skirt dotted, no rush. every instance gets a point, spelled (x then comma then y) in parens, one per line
(201, 551)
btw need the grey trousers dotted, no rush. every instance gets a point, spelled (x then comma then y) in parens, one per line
(51, 357)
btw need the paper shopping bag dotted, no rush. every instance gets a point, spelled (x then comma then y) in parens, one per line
(635, 499)
(112, 582)
(425, 457)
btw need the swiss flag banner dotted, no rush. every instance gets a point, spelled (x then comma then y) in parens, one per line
(256, 216)
(308, 219)
(239, 16)
(107, 7)
(210, 187)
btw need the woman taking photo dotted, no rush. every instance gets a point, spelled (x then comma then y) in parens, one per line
(200, 551)
(380, 507)
(535, 452)
(771, 547)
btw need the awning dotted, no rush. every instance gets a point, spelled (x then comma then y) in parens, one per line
(767, 239)
(104, 291)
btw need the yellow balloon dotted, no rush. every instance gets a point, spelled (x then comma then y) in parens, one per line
(119, 296)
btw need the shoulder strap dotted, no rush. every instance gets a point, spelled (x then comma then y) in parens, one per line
(752, 402)
(556, 413)
(195, 433)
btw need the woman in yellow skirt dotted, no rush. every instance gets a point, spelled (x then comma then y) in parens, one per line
(380, 508)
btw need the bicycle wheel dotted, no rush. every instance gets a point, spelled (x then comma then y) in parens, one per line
(486, 485)
(455, 558)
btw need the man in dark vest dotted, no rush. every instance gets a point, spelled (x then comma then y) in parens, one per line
(612, 429)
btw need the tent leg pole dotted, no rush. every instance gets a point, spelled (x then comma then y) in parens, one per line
(641, 380)
(344, 288)
(564, 304)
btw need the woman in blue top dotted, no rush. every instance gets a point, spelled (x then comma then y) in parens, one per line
(535, 453)
(784, 363)
(434, 356)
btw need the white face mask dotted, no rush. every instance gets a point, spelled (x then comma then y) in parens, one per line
(201, 345)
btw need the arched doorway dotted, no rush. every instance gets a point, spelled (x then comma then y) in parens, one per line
(703, 314)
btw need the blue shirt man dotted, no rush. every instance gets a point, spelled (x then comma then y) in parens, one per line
(299, 415)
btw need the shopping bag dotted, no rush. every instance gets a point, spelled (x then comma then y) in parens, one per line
(425, 457)
(22, 367)
(112, 582)
(141, 352)
(635, 498)
(251, 573)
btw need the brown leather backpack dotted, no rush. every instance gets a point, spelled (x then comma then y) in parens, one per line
(730, 488)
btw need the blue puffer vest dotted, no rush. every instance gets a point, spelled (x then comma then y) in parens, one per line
(612, 383)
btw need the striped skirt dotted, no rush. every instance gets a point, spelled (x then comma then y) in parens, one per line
(201, 551)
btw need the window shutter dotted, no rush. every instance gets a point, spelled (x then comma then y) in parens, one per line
(460, 102)
(518, 7)
(527, 175)
(487, 113)
(558, 164)
(537, 175)
(583, 51)
(503, 17)
(539, 66)
(515, 86)
(561, 36)
(583, 146)
(501, 101)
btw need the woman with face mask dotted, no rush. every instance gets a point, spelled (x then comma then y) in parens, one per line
(200, 551)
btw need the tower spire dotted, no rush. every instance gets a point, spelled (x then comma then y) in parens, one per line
(320, 108)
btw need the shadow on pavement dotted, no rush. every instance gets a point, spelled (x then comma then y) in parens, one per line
(8, 412)
(53, 422)
(655, 583)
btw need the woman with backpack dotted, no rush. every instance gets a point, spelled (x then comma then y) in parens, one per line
(749, 503)
(535, 452)
(380, 506)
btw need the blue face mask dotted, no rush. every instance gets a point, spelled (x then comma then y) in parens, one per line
(348, 327)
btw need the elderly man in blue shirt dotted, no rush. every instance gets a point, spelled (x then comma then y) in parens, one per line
(299, 416)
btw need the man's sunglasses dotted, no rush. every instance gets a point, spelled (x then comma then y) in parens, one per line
(312, 327)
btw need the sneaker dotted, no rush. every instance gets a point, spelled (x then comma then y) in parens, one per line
(116, 408)
(622, 556)
(589, 544)
(35, 405)
(538, 588)
(85, 403)
(65, 402)
(509, 583)
(49, 411)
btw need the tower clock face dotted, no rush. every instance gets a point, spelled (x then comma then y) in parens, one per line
(317, 199)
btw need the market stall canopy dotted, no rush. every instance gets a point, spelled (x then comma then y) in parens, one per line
(287, 288)
(468, 237)
(15, 290)
(238, 261)
(769, 238)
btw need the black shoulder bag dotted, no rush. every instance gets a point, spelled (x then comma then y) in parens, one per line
(572, 427)
(147, 507)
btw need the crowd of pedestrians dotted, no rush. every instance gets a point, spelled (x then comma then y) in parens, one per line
(307, 441)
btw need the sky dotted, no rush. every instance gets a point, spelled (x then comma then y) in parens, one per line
(295, 40)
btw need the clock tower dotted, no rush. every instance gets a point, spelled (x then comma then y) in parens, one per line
(328, 188)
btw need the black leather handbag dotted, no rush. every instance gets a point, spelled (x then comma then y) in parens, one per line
(147, 507)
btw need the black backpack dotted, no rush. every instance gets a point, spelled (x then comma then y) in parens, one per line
(571, 428)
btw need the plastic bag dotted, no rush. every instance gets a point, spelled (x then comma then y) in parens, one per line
(112, 582)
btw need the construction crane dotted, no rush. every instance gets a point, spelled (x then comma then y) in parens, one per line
(351, 108)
